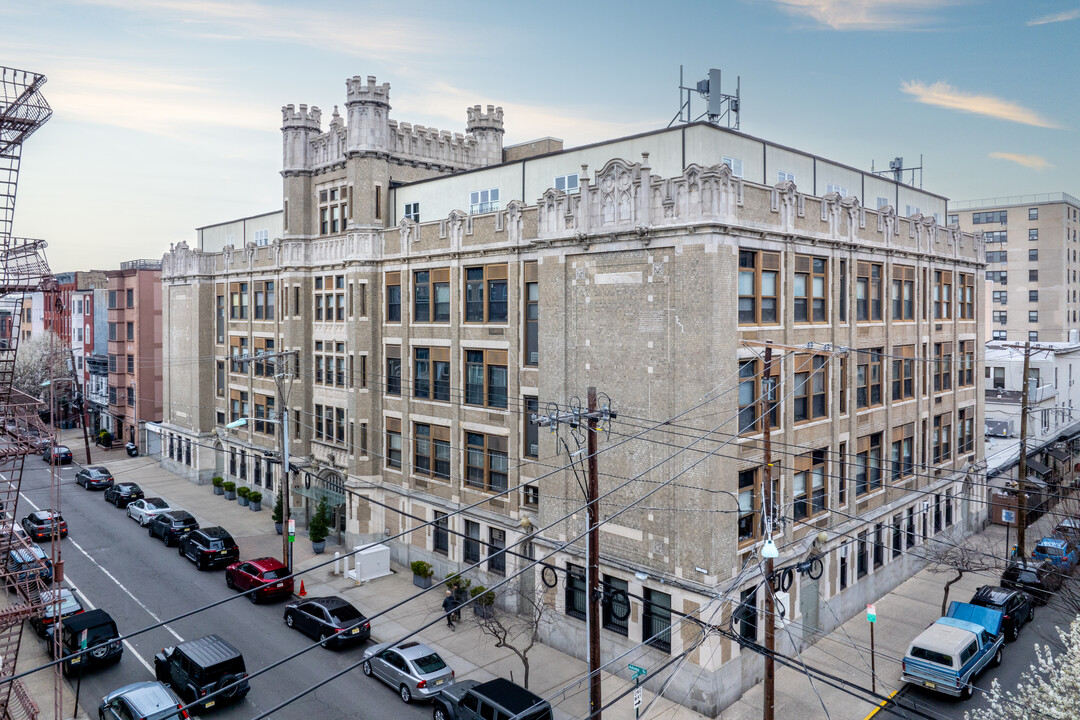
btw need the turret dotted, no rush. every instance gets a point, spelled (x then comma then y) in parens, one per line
(487, 129)
(367, 108)
(298, 129)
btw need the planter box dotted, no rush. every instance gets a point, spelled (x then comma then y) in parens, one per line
(421, 582)
(219, 490)
(243, 501)
(255, 506)
(280, 527)
(230, 495)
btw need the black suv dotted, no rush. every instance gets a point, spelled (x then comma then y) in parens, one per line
(123, 493)
(498, 698)
(172, 526)
(197, 668)
(1037, 578)
(210, 548)
(102, 641)
(1016, 607)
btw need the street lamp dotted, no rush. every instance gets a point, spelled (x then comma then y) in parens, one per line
(283, 421)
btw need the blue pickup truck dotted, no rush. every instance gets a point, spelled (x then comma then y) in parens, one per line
(953, 650)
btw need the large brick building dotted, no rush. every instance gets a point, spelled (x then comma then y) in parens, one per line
(440, 289)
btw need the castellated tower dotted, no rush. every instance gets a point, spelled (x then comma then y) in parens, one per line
(487, 129)
(299, 128)
(367, 108)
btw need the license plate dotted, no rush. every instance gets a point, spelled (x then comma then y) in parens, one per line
(210, 703)
(279, 585)
(222, 552)
(355, 631)
(440, 681)
(930, 685)
(76, 661)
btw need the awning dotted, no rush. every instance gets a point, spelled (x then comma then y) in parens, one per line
(317, 493)
(1059, 454)
(1037, 467)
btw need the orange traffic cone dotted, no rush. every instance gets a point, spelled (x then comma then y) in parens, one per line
(303, 592)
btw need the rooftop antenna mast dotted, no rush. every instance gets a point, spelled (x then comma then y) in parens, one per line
(897, 170)
(720, 107)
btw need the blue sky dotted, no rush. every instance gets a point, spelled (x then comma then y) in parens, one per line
(167, 113)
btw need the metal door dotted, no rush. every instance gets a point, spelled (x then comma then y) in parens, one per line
(809, 603)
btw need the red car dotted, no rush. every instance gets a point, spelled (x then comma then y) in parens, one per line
(265, 573)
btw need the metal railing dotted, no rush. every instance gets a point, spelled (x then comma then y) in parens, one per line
(141, 265)
(1013, 200)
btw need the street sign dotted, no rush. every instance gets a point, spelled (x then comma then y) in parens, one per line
(637, 697)
(637, 670)
(871, 612)
(1008, 516)
(292, 529)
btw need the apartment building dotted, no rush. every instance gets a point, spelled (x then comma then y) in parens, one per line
(440, 289)
(135, 354)
(1032, 251)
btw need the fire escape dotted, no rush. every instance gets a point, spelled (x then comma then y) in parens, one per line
(23, 269)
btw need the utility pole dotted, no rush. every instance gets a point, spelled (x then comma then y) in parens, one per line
(1021, 496)
(767, 503)
(82, 406)
(286, 476)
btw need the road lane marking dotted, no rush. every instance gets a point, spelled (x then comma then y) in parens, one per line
(128, 645)
(115, 581)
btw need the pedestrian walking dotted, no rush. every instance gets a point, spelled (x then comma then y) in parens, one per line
(460, 599)
(448, 606)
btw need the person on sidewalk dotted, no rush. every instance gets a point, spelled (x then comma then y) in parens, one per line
(460, 598)
(448, 606)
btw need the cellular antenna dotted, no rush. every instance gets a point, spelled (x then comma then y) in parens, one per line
(721, 108)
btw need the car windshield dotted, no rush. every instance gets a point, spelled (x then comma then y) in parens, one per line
(429, 663)
(275, 574)
(344, 614)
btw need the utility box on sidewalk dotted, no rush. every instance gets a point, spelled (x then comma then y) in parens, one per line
(370, 563)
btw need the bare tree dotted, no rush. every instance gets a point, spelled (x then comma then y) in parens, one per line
(955, 554)
(518, 632)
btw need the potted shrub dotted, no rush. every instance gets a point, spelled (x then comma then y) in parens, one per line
(421, 573)
(242, 494)
(279, 513)
(255, 500)
(218, 483)
(483, 602)
(105, 438)
(230, 490)
(319, 527)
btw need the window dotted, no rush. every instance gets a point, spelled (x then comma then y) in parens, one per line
(330, 427)
(868, 378)
(1033, 255)
(811, 289)
(860, 556)
(1033, 234)
(868, 464)
(264, 408)
(811, 383)
(942, 367)
(882, 202)
(483, 201)
(996, 236)
(841, 475)
(1033, 336)
(758, 287)
(997, 256)
(1033, 296)
(868, 292)
(840, 189)
(431, 451)
(965, 375)
(911, 210)
(131, 364)
(431, 295)
(748, 615)
(532, 315)
(998, 276)
(486, 464)
(1033, 276)
(994, 216)
(471, 549)
(965, 429)
(496, 554)
(1033, 316)
(220, 318)
(531, 495)
(903, 451)
(129, 296)
(613, 585)
(264, 300)
(656, 619)
(566, 183)
(393, 297)
(238, 402)
(112, 301)
(333, 210)
(749, 527)
(531, 432)
(879, 546)
(575, 591)
(942, 438)
(810, 488)
(1033, 213)
(997, 375)
(393, 369)
(1000, 317)
(966, 296)
(440, 534)
(782, 176)
(131, 396)
(393, 442)
(903, 373)
(431, 377)
(493, 279)
(903, 292)
(412, 211)
(843, 572)
(843, 290)
(238, 299)
(329, 367)
(1000, 297)
(751, 391)
(130, 331)
(942, 294)
(486, 378)
(221, 379)
(953, 219)
(735, 164)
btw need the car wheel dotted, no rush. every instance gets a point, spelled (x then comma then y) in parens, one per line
(366, 667)
(324, 639)
(406, 695)
(151, 531)
(439, 713)
(1031, 612)
(289, 620)
(967, 692)
(229, 582)
(997, 658)
(254, 598)
(117, 503)
(1014, 632)
(165, 539)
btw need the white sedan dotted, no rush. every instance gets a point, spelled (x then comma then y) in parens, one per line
(145, 509)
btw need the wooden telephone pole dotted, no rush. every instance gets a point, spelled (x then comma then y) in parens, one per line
(767, 504)
(1021, 496)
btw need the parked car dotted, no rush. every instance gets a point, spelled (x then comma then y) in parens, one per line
(413, 668)
(172, 526)
(43, 524)
(141, 701)
(1035, 577)
(56, 454)
(1062, 554)
(948, 655)
(96, 477)
(332, 620)
(102, 642)
(498, 698)
(1069, 529)
(207, 666)
(209, 547)
(1016, 606)
(27, 563)
(69, 606)
(123, 493)
(144, 510)
(267, 574)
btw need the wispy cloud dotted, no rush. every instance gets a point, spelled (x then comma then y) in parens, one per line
(867, 14)
(944, 95)
(1035, 162)
(1056, 17)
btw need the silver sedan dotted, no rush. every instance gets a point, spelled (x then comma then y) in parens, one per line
(144, 510)
(413, 668)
